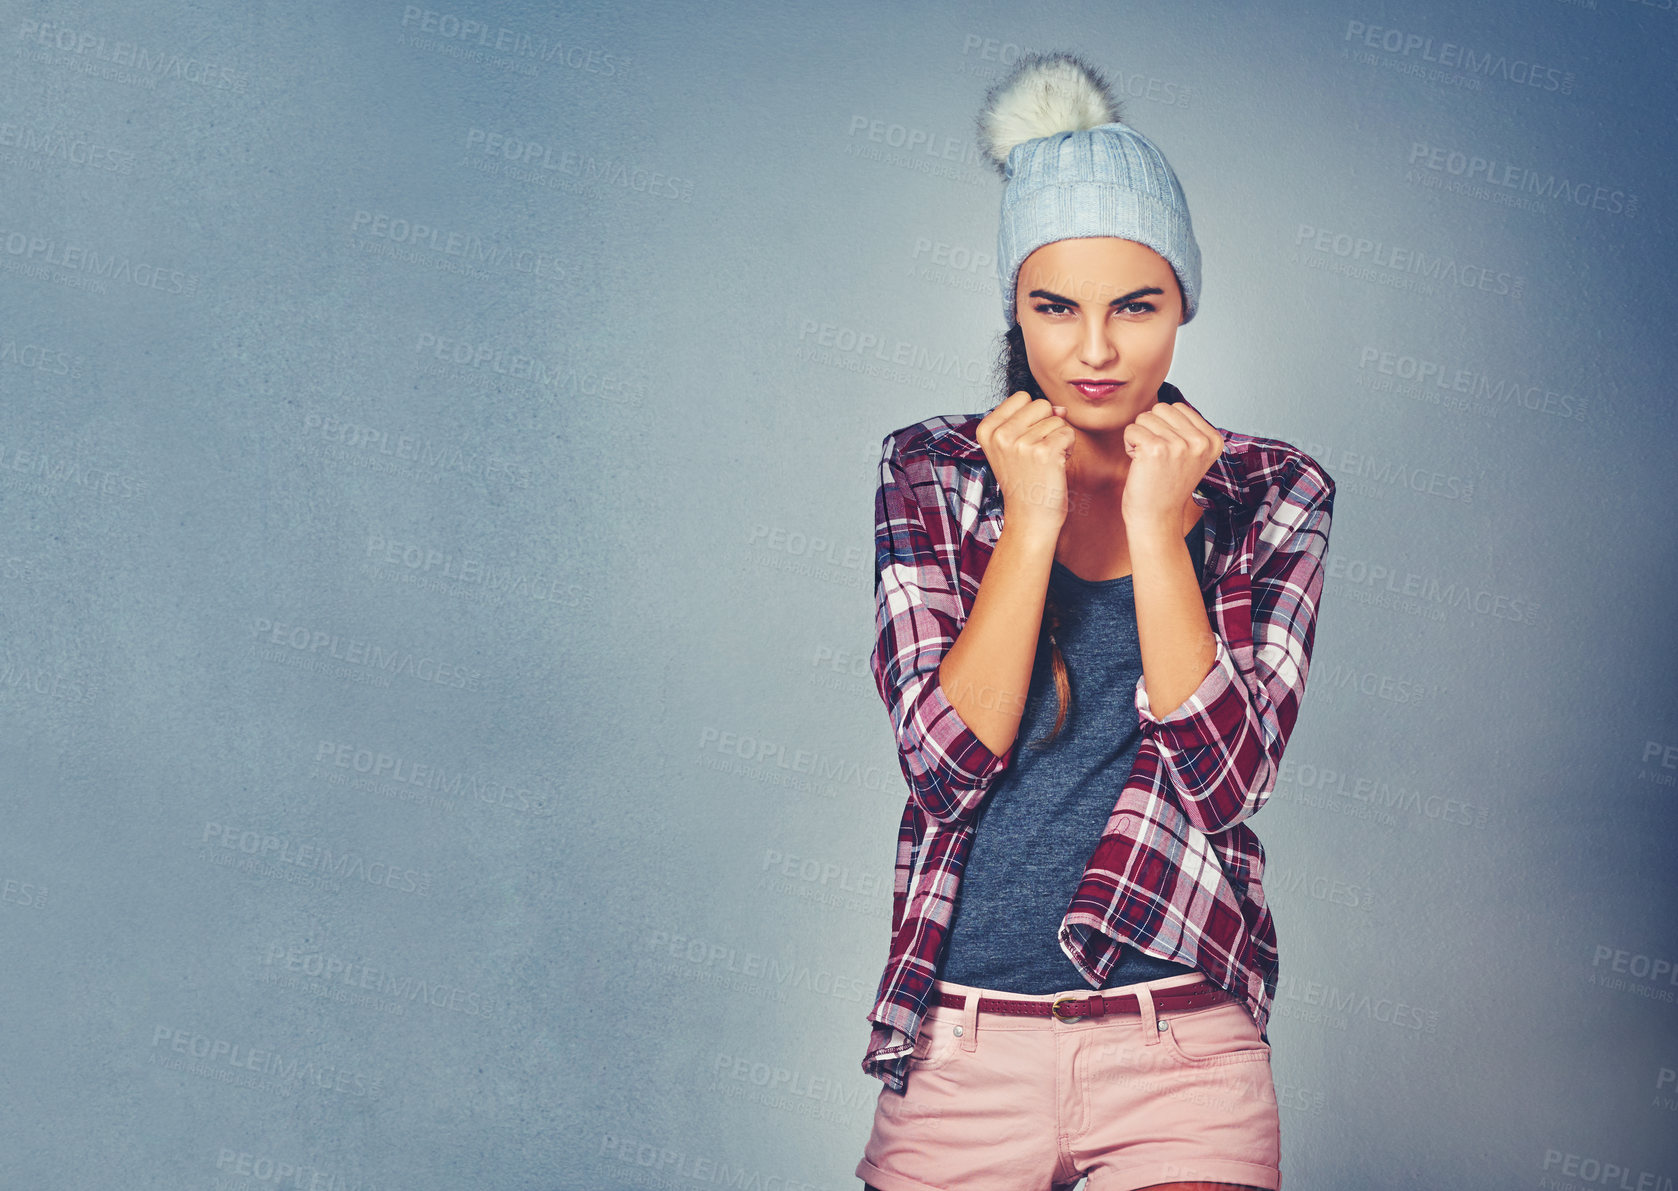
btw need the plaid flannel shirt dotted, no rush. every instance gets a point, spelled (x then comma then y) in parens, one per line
(1177, 871)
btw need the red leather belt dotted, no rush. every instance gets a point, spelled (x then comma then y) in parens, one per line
(1073, 1006)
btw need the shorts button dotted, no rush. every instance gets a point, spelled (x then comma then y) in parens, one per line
(1164, 1024)
(958, 1031)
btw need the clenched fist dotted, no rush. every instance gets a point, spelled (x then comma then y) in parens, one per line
(1027, 444)
(1170, 447)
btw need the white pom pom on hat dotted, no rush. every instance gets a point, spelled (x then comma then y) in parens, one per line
(1046, 94)
(1073, 169)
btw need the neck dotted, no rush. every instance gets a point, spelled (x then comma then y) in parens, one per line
(1099, 463)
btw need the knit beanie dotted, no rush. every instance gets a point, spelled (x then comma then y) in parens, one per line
(1073, 169)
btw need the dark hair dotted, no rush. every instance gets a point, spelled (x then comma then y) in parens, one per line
(1013, 373)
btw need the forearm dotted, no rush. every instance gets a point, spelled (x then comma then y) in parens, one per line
(1222, 742)
(1177, 644)
(987, 672)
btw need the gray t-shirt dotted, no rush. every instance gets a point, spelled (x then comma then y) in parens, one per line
(1042, 819)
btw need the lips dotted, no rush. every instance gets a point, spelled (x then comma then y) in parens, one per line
(1097, 390)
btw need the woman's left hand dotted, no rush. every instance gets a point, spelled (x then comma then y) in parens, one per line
(1170, 447)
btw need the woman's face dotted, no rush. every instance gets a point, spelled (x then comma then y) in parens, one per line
(1099, 309)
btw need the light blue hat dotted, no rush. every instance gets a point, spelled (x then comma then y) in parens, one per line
(1074, 169)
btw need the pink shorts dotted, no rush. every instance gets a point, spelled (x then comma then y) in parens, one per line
(1009, 1103)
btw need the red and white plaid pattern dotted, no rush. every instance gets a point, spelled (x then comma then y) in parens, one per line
(1177, 870)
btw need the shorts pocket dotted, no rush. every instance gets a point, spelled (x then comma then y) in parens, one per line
(936, 1044)
(1225, 1033)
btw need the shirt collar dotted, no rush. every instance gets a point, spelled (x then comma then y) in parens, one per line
(1223, 484)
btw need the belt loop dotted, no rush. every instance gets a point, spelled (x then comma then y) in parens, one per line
(1150, 1022)
(970, 1021)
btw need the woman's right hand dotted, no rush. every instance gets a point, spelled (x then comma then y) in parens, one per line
(1027, 444)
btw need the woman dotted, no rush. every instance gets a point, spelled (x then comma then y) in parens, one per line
(1095, 615)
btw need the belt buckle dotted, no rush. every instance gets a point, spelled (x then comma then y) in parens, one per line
(1054, 1008)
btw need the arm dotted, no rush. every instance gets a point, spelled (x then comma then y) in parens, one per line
(987, 672)
(949, 765)
(1222, 747)
(1178, 645)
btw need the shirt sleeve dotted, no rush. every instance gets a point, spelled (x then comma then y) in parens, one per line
(918, 613)
(1222, 748)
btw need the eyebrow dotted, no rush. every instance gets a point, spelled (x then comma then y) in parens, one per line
(1121, 301)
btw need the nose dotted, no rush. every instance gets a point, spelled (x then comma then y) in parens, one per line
(1101, 345)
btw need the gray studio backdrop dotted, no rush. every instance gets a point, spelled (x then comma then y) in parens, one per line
(437, 456)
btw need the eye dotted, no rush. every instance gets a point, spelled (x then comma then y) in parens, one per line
(1049, 307)
(1138, 307)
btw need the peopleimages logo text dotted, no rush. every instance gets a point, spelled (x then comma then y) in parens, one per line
(1472, 167)
(1450, 55)
(1378, 254)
